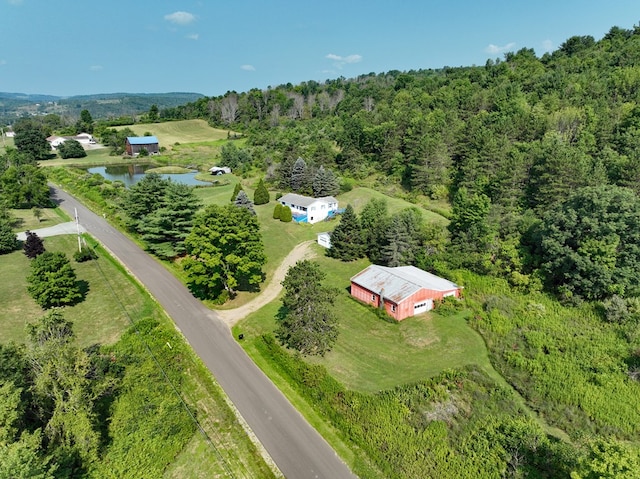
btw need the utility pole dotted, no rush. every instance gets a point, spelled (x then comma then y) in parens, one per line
(78, 229)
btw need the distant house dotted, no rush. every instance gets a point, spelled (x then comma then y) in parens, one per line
(82, 138)
(134, 144)
(403, 291)
(324, 239)
(309, 210)
(56, 141)
(219, 170)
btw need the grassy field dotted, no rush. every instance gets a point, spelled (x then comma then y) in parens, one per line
(6, 142)
(372, 354)
(110, 300)
(185, 131)
(26, 220)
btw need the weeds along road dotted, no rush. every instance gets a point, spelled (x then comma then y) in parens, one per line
(296, 448)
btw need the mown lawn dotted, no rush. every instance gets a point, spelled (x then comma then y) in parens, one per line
(185, 131)
(26, 220)
(372, 354)
(100, 318)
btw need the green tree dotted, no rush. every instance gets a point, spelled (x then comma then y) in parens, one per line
(236, 190)
(608, 459)
(71, 149)
(402, 240)
(37, 213)
(590, 244)
(52, 281)
(285, 214)
(243, 201)
(225, 252)
(165, 229)
(153, 113)
(24, 186)
(66, 378)
(277, 211)
(374, 223)
(31, 139)
(261, 195)
(469, 226)
(306, 320)
(33, 246)
(325, 183)
(8, 239)
(143, 198)
(84, 124)
(298, 179)
(346, 239)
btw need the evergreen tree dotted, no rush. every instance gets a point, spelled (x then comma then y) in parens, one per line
(374, 223)
(346, 239)
(165, 229)
(143, 198)
(52, 281)
(261, 195)
(299, 175)
(33, 245)
(236, 190)
(306, 321)
(285, 214)
(400, 245)
(243, 201)
(277, 211)
(325, 183)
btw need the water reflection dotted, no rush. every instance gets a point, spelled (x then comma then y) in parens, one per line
(131, 174)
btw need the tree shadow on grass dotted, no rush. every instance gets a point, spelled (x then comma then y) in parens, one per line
(83, 288)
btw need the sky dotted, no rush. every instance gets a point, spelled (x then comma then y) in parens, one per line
(74, 47)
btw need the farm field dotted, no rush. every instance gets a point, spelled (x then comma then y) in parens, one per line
(185, 131)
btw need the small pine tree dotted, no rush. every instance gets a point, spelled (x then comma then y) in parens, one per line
(261, 195)
(298, 175)
(277, 211)
(347, 243)
(243, 201)
(33, 245)
(285, 214)
(236, 190)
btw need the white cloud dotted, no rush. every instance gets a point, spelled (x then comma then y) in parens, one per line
(14, 2)
(180, 18)
(340, 61)
(493, 49)
(3, 62)
(547, 45)
(95, 68)
(193, 36)
(248, 68)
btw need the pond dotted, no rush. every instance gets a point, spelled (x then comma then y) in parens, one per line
(131, 174)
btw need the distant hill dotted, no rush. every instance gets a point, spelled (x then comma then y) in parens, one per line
(103, 105)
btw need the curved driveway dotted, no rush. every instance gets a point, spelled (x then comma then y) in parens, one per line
(297, 449)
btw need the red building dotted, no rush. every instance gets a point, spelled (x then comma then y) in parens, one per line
(404, 291)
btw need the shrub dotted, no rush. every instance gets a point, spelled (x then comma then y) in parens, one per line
(85, 254)
(285, 214)
(277, 211)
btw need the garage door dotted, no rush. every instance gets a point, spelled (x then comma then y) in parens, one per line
(423, 306)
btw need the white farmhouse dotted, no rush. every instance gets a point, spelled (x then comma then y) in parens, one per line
(309, 210)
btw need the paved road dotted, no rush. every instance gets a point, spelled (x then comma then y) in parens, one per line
(297, 449)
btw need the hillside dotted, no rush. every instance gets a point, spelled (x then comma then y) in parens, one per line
(109, 105)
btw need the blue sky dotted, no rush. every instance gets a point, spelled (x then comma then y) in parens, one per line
(73, 47)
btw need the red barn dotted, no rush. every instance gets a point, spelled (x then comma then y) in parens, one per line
(135, 144)
(404, 291)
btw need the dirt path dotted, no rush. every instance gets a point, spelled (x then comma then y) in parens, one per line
(271, 292)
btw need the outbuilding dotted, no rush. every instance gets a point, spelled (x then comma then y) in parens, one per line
(324, 239)
(403, 291)
(135, 144)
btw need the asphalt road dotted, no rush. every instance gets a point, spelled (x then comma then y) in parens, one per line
(296, 448)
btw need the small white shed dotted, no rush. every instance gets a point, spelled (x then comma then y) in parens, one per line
(324, 239)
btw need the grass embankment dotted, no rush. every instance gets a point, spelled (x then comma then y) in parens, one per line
(113, 302)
